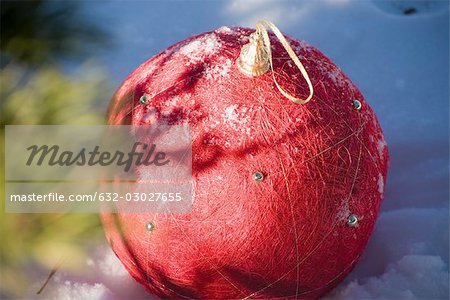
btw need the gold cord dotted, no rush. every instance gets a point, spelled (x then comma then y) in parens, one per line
(261, 29)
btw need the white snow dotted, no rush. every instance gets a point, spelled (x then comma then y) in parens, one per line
(220, 71)
(403, 260)
(150, 116)
(381, 144)
(399, 281)
(380, 184)
(230, 113)
(237, 118)
(201, 48)
(103, 278)
(224, 29)
(68, 290)
(109, 266)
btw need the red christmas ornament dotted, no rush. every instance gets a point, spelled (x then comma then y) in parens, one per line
(285, 194)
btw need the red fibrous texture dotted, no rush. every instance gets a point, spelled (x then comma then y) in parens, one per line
(286, 236)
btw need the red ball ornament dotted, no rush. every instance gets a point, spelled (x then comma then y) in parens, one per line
(285, 194)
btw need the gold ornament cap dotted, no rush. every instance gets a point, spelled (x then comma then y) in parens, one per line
(254, 58)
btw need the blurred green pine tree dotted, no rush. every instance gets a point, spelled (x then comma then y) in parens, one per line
(37, 39)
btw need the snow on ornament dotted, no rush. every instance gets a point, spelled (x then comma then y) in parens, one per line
(289, 167)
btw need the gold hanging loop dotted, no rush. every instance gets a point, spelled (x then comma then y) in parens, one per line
(256, 57)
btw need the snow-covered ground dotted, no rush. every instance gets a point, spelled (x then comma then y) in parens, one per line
(400, 63)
